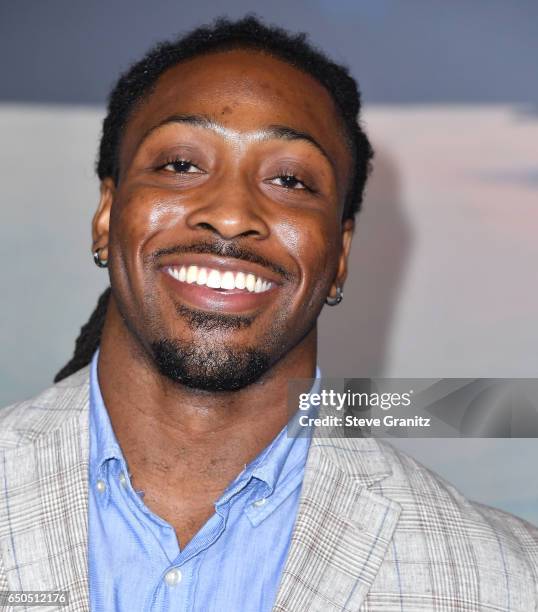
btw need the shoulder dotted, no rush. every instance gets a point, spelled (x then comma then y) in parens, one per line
(24, 422)
(448, 523)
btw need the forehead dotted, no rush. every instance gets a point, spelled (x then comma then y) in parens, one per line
(245, 91)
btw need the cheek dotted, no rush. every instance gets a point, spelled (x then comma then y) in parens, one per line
(139, 215)
(313, 243)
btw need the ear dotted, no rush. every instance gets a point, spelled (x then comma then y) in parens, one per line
(348, 227)
(101, 219)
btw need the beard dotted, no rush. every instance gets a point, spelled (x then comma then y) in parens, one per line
(210, 365)
(209, 368)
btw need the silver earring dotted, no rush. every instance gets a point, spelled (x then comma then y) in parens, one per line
(100, 263)
(334, 301)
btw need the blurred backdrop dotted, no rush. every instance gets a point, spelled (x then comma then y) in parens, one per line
(443, 267)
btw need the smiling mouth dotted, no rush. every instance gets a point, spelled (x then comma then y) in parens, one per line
(219, 290)
(221, 281)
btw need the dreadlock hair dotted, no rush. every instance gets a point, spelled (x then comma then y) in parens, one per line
(88, 339)
(137, 83)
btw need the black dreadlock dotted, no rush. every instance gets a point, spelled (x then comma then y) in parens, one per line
(88, 339)
(139, 80)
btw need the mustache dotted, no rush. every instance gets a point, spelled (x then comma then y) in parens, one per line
(222, 249)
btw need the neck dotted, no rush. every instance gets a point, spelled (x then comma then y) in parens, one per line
(160, 422)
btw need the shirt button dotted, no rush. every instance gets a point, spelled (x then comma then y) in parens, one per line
(123, 480)
(260, 502)
(172, 577)
(101, 486)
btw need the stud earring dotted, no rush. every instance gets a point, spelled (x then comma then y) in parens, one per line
(100, 263)
(334, 301)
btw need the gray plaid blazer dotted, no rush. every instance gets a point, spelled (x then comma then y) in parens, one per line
(375, 531)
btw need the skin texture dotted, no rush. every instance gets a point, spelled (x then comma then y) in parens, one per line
(184, 445)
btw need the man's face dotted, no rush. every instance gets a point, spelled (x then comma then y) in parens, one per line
(224, 231)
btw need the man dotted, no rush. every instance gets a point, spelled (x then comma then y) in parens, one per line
(231, 168)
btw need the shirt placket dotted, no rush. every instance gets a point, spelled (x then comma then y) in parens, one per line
(177, 582)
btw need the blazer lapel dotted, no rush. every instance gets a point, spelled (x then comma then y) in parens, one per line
(44, 496)
(342, 530)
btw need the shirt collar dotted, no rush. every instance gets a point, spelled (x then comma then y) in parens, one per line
(103, 442)
(279, 459)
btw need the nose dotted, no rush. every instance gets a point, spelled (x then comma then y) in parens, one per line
(230, 211)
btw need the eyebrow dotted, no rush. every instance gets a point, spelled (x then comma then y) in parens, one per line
(269, 132)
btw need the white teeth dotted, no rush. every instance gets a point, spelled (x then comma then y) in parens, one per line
(202, 276)
(213, 279)
(240, 280)
(250, 282)
(227, 280)
(216, 280)
(192, 274)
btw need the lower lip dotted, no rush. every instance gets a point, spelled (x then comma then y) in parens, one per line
(205, 298)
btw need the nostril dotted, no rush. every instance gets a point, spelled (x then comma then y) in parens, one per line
(206, 226)
(249, 233)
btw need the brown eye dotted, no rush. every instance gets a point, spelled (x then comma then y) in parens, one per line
(289, 181)
(180, 166)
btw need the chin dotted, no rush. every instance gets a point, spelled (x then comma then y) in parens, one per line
(209, 368)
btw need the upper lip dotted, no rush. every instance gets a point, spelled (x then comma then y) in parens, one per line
(223, 264)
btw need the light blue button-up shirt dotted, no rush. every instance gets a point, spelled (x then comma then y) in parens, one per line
(233, 564)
